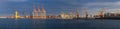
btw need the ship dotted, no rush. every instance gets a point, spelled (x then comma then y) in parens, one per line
(109, 16)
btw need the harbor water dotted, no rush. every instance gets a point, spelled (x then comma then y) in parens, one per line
(59, 24)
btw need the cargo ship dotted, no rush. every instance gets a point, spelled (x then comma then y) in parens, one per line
(108, 16)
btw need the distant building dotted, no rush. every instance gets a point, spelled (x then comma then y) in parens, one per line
(66, 16)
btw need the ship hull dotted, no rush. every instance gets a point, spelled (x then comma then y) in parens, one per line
(118, 18)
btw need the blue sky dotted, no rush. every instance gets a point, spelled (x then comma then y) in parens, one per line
(7, 7)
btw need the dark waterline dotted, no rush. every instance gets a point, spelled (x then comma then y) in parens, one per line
(58, 24)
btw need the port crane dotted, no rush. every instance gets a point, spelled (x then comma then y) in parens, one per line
(100, 14)
(77, 14)
(86, 12)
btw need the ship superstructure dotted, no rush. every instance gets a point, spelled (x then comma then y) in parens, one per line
(38, 14)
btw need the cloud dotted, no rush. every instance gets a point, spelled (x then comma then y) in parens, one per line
(104, 4)
(17, 0)
(3, 1)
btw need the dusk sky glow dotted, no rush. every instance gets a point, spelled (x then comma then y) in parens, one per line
(7, 7)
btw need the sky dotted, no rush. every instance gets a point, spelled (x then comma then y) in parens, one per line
(55, 7)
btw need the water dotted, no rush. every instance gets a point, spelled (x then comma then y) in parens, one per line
(58, 24)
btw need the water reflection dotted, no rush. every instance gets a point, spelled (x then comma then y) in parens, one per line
(58, 24)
